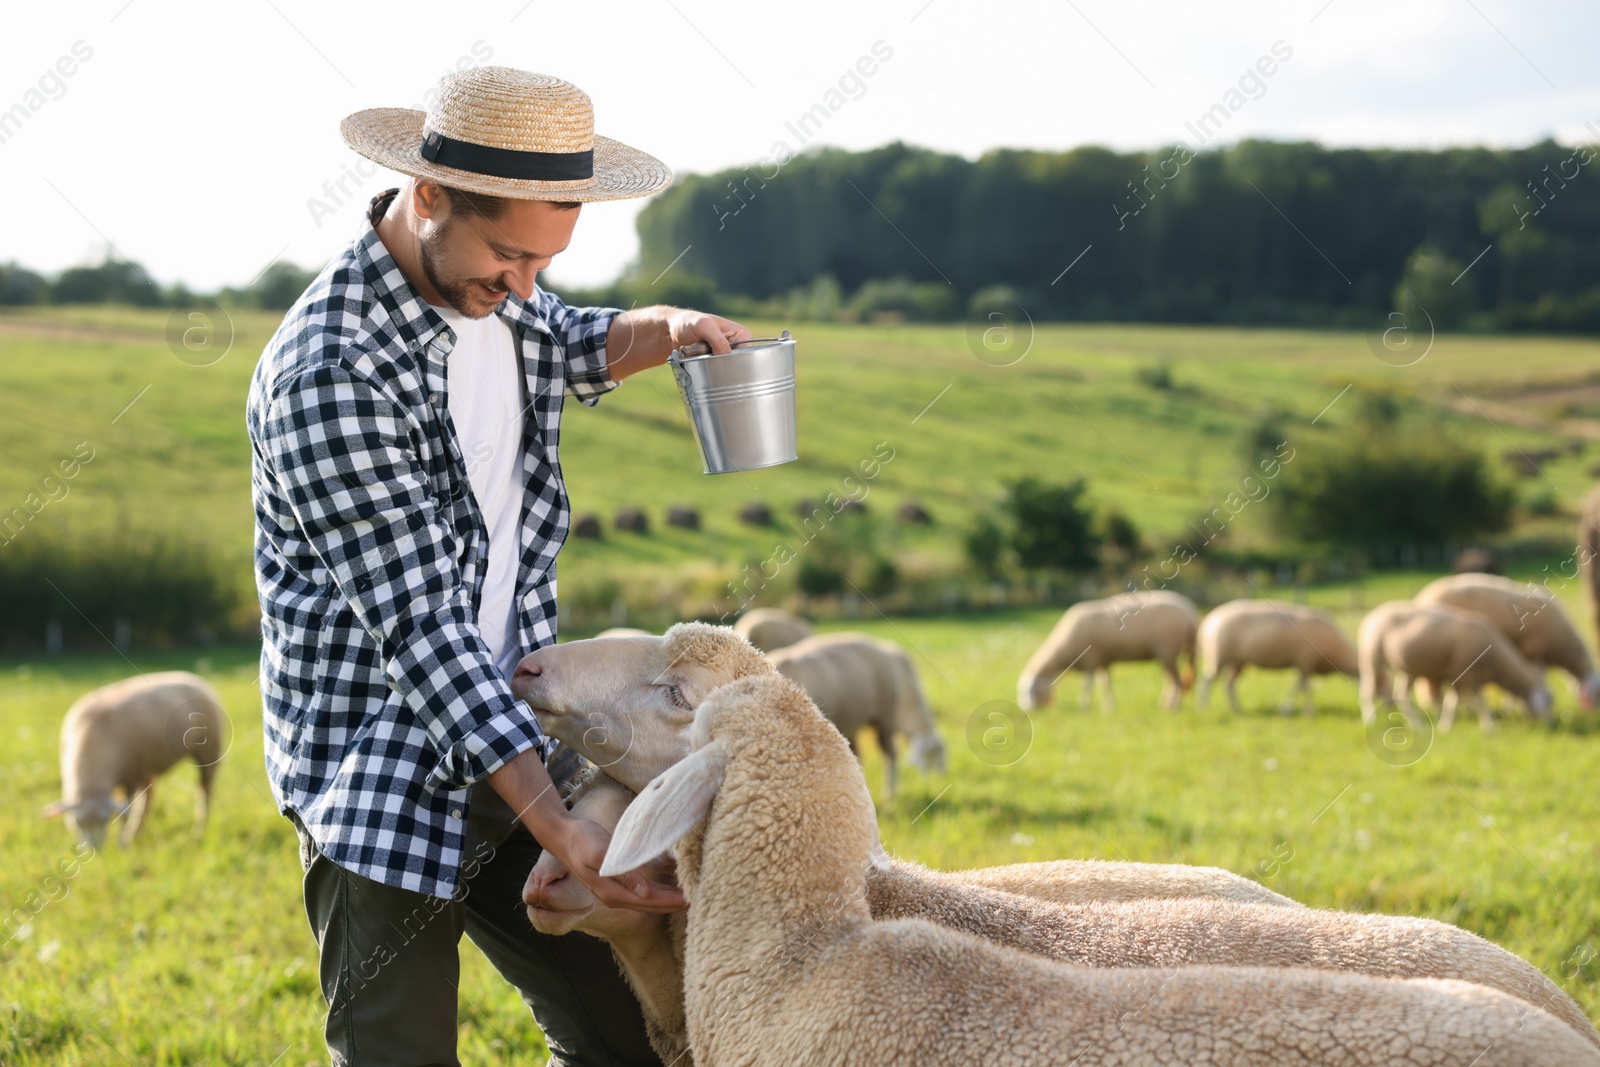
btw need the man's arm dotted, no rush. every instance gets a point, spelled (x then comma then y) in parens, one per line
(342, 451)
(524, 784)
(645, 337)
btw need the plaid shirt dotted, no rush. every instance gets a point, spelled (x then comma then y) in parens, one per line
(382, 704)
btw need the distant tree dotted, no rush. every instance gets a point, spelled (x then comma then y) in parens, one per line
(115, 281)
(1433, 288)
(18, 285)
(279, 286)
(1051, 527)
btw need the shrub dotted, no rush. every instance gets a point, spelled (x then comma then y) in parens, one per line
(1381, 488)
(1050, 525)
(1156, 376)
(168, 589)
(900, 297)
(984, 543)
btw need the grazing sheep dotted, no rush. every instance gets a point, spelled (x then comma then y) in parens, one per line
(770, 629)
(860, 681)
(623, 631)
(625, 704)
(1527, 614)
(1588, 551)
(1275, 635)
(588, 526)
(1451, 648)
(123, 736)
(1146, 933)
(775, 830)
(1094, 634)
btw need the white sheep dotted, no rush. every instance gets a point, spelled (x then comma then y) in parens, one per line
(1527, 614)
(1275, 635)
(770, 629)
(1587, 553)
(626, 704)
(1094, 634)
(122, 736)
(774, 831)
(861, 681)
(1457, 651)
(1104, 933)
(623, 631)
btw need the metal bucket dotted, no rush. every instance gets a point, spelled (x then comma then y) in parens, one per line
(741, 403)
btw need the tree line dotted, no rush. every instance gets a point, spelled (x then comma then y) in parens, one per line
(1257, 232)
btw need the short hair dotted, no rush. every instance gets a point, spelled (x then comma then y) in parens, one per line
(490, 207)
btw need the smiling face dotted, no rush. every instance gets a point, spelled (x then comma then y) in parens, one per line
(473, 259)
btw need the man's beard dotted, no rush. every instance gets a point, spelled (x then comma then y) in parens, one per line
(461, 294)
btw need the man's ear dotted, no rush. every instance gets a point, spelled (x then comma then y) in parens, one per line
(56, 810)
(666, 809)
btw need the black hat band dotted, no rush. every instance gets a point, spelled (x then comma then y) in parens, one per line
(507, 162)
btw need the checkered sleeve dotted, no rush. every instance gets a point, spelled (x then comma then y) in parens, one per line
(344, 453)
(581, 333)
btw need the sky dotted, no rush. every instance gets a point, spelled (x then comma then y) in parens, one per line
(201, 139)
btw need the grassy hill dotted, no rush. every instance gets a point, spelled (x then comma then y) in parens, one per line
(1080, 401)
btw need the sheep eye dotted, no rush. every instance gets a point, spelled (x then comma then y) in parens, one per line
(677, 696)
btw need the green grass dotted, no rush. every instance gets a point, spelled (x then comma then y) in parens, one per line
(179, 951)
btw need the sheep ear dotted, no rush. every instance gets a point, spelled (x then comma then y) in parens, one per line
(666, 809)
(56, 810)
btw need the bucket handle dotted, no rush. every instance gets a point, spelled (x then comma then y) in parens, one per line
(702, 348)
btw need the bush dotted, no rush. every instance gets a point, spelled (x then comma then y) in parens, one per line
(1382, 488)
(899, 297)
(984, 543)
(1116, 530)
(168, 589)
(1157, 376)
(1050, 525)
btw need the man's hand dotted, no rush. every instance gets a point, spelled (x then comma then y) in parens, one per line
(686, 327)
(645, 337)
(582, 849)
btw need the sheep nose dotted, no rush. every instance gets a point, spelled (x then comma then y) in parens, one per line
(527, 668)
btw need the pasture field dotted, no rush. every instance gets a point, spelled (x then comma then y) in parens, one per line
(170, 450)
(179, 952)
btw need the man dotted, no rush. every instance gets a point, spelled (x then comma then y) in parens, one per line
(404, 423)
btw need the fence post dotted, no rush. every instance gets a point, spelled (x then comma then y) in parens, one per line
(52, 637)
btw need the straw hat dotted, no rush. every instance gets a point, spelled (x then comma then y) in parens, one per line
(506, 132)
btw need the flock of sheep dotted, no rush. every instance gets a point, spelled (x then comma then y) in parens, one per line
(1457, 635)
(733, 748)
(806, 942)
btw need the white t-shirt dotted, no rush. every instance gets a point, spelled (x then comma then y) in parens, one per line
(485, 402)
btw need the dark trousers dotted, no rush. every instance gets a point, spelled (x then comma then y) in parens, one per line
(389, 965)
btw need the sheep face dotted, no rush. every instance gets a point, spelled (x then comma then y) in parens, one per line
(927, 753)
(559, 903)
(88, 816)
(1033, 693)
(1539, 699)
(625, 703)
